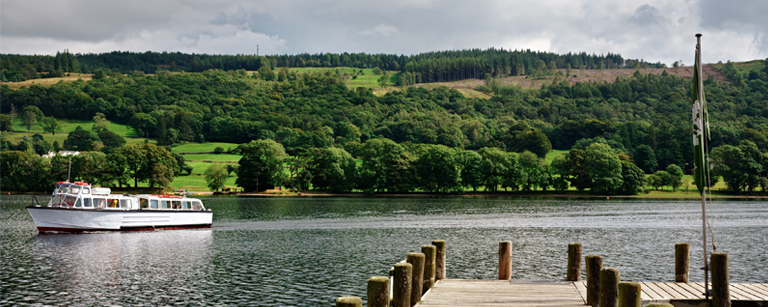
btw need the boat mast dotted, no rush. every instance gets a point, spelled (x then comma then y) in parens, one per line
(69, 169)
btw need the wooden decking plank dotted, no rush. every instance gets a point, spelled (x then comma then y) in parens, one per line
(653, 291)
(737, 294)
(643, 295)
(746, 292)
(695, 293)
(761, 292)
(581, 286)
(665, 292)
(762, 289)
(674, 293)
(699, 286)
(762, 286)
(684, 291)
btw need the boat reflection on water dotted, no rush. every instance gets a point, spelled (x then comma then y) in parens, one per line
(155, 268)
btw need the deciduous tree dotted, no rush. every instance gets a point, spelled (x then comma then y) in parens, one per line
(604, 169)
(261, 165)
(50, 124)
(437, 169)
(216, 176)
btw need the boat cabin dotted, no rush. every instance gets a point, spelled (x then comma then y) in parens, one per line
(169, 202)
(81, 195)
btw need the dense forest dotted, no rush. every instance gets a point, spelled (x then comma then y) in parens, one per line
(645, 119)
(425, 67)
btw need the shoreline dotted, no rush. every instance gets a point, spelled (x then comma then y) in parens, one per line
(418, 194)
(494, 194)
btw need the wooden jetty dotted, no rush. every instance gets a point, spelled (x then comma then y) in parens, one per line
(420, 281)
(531, 293)
(470, 293)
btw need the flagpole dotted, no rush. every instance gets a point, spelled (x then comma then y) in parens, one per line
(700, 94)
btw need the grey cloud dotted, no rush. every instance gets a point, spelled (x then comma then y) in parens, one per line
(646, 15)
(81, 20)
(738, 16)
(649, 29)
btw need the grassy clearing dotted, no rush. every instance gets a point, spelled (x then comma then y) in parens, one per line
(554, 153)
(353, 79)
(688, 188)
(69, 125)
(202, 148)
(49, 81)
(197, 183)
(754, 65)
(213, 157)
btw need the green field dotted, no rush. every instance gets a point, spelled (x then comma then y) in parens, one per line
(213, 157)
(202, 148)
(354, 78)
(196, 181)
(69, 125)
(754, 65)
(552, 154)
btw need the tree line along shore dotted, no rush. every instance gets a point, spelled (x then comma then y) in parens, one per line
(641, 119)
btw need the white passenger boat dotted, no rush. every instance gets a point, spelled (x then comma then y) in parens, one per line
(78, 206)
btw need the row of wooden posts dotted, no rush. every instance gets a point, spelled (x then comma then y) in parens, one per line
(604, 288)
(411, 278)
(414, 276)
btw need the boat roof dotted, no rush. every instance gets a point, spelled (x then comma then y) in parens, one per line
(79, 183)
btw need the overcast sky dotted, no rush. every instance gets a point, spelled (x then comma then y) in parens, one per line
(662, 31)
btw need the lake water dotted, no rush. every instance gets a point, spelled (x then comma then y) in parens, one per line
(308, 251)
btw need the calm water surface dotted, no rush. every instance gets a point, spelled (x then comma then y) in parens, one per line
(308, 251)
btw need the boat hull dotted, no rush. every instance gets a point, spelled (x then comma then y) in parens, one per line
(77, 220)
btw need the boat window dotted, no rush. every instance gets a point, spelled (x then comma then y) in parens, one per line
(125, 203)
(143, 203)
(86, 190)
(99, 202)
(55, 201)
(196, 205)
(164, 204)
(74, 189)
(153, 204)
(77, 203)
(69, 201)
(176, 204)
(112, 203)
(87, 203)
(187, 205)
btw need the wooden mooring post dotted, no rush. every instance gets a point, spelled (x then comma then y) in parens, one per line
(417, 279)
(574, 262)
(401, 285)
(594, 265)
(682, 252)
(349, 301)
(378, 291)
(609, 284)
(629, 294)
(439, 259)
(721, 296)
(430, 253)
(505, 260)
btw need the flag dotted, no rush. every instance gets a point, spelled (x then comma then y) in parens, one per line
(700, 125)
